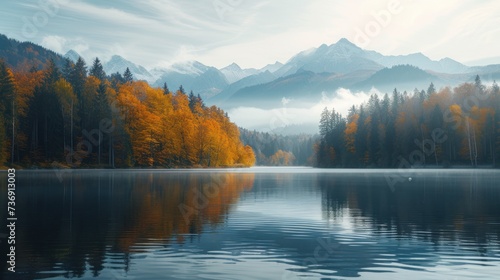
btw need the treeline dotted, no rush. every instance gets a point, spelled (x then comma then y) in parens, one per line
(75, 117)
(451, 127)
(280, 150)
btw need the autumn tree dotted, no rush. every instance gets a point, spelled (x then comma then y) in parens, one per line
(282, 158)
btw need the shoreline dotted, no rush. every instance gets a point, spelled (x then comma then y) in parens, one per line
(417, 168)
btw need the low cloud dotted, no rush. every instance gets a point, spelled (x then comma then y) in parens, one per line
(55, 43)
(62, 45)
(267, 120)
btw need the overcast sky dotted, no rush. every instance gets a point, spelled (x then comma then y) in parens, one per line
(254, 33)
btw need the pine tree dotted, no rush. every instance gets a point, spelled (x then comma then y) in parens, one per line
(127, 75)
(78, 76)
(51, 116)
(181, 90)
(324, 123)
(116, 79)
(7, 112)
(166, 91)
(431, 90)
(77, 80)
(97, 70)
(477, 82)
(192, 101)
(102, 111)
(68, 69)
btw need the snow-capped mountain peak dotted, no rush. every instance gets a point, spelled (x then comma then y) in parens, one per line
(232, 67)
(191, 67)
(233, 72)
(120, 64)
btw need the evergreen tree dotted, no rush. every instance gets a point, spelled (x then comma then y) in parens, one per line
(477, 82)
(97, 70)
(200, 101)
(181, 90)
(101, 111)
(78, 76)
(166, 91)
(495, 90)
(68, 69)
(77, 80)
(116, 79)
(7, 113)
(127, 76)
(396, 101)
(51, 118)
(192, 101)
(324, 123)
(431, 90)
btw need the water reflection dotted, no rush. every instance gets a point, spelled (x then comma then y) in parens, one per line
(70, 228)
(258, 224)
(434, 220)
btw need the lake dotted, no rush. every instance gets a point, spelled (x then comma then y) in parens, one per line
(257, 223)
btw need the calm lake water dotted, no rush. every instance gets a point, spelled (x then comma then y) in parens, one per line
(258, 223)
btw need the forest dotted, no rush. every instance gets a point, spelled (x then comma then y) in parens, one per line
(69, 116)
(445, 128)
(280, 150)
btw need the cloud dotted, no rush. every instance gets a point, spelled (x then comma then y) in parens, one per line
(54, 42)
(255, 33)
(62, 45)
(273, 119)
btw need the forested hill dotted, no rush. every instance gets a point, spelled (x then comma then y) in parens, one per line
(74, 117)
(450, 127)
(25, 55)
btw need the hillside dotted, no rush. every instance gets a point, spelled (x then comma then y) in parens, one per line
(24, 55)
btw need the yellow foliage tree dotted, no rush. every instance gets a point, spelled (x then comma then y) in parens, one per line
(350, 133)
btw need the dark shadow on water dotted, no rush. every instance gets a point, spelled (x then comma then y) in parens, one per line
(103, 223)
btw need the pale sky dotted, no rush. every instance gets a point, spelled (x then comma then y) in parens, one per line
(254, 33)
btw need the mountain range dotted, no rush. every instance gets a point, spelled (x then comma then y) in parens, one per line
(302, 79)
(307, 75)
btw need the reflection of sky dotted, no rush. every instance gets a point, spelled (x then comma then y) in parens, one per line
(274, 231)
(277, 226)
(254, 246)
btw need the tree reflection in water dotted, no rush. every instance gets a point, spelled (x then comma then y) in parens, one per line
(71, 227)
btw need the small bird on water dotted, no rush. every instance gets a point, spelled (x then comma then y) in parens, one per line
(409, 179)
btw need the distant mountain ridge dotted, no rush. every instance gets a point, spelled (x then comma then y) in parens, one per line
(234, 73)
(303, 77)
(120, 64)
(345, 57)
(72, 55)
